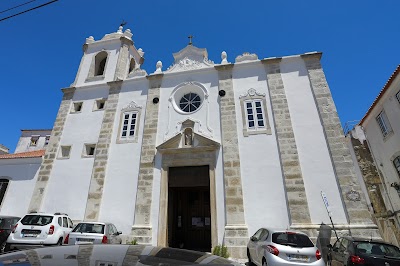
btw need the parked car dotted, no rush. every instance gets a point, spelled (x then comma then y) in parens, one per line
(349, 250)
(281, 247)
(93, 233)
(39, 229)
(6, 225)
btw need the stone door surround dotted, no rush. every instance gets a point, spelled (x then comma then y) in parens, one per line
(181, 158)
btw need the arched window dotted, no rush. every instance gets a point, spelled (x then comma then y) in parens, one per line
(396, 163)
(3, 188)
(131, 65)
(100, 63)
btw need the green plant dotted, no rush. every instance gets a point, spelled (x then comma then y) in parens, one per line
(133, 242)
(221, 250)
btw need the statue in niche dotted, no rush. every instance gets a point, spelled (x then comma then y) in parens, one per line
(188, 137)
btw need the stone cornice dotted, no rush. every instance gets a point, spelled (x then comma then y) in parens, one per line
(155, 76)
(312, 55)
(271, 60)
(68, 90)
(224, 67)
(115, 83)
(126, 41)
(188, 150)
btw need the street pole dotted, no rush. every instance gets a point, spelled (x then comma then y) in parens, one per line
(326, 203)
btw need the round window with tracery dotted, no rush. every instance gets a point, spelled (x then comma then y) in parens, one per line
(190, 102)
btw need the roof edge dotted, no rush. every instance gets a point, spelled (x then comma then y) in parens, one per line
(381, 93)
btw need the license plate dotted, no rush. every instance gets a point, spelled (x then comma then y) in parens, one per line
(91, 240)
(298, 257)
(29, 235)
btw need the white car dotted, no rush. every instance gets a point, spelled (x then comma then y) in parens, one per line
(281, 247)
(93, 233)
(39, 229)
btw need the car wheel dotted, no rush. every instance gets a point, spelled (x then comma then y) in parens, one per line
(7, 247)
(249, 258)
(264, 262)
(59, 242)
(2, 247)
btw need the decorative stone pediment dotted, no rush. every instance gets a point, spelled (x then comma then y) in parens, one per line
(190, 58)
(131, 106)
(181, 143)
(246, 57)
(251, 93)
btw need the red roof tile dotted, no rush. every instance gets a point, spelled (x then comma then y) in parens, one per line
(28, 154)
(381, 93)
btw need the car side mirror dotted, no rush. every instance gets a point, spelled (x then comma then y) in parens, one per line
(119, 232)
(253, 238)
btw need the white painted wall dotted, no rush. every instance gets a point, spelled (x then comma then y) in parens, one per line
(22, 174)
(120, 187)
(265, 202)
(112, 47)
(383, 149)
(69, 183)
(315, 161)
(207, 114)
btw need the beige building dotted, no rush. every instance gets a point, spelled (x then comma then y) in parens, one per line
(375, 145)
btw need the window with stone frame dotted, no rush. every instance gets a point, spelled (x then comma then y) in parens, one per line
(98, 66)
(89, 150)
(34, 140)
(129, 123)
(100, 63)
(99, 104)
(384, 124)
(64, 152)
(76, 107)
(254, 113)
(3, 188)
(47, 140)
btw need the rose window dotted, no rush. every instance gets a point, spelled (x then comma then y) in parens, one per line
(190, 102)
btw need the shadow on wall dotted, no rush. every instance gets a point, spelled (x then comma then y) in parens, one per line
(19, 172)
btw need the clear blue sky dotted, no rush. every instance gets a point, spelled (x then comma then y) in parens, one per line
(41, 50)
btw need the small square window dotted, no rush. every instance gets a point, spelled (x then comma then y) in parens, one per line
(77, 107)
(34, 140)
(47, 140)
(89, 150)
(99, 104)
(64, 152)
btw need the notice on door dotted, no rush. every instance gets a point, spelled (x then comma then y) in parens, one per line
(196, 221)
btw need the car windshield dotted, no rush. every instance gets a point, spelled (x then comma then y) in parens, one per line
(8, 223)
(89, 228)
(292, 239)
(376, 249)
(36, 219)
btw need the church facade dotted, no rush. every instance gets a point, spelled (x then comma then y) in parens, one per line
(198, 154)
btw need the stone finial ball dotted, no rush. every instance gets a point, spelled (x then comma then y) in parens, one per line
(159, 64)
(224, 55)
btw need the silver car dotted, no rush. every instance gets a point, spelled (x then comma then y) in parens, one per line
(93, 233)
(281, 247)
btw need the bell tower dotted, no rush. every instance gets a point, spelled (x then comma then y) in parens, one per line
(112, 58)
